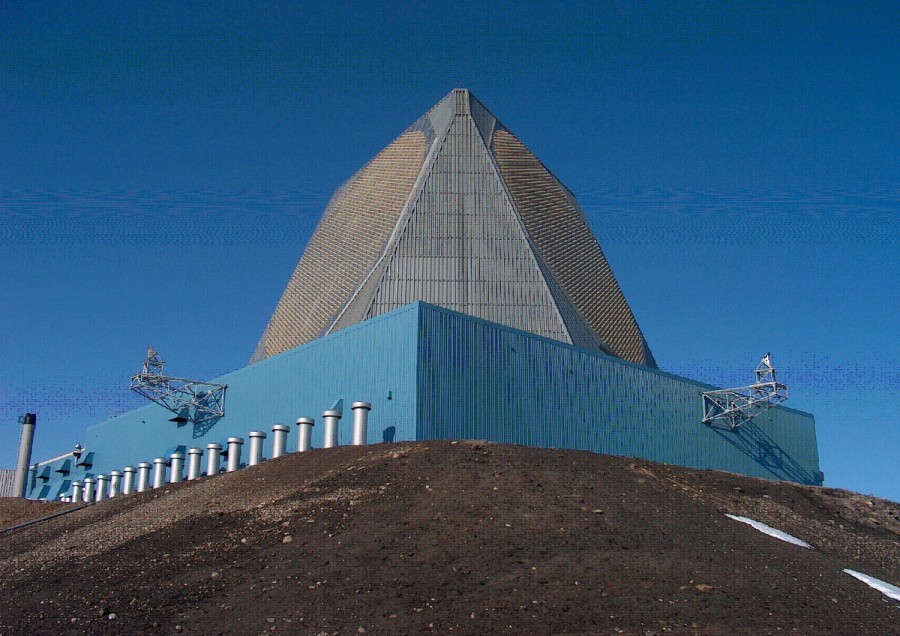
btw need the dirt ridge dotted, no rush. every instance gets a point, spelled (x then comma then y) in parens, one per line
(453, 537)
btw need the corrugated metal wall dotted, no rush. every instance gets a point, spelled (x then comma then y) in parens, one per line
(7, 481)
(373, 361)
(431, 373)
(483, 381)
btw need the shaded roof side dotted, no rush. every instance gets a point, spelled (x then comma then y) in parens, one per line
(462, 246)
(567, 245)
(350, 237)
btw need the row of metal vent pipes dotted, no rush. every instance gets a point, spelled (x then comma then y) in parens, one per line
(131, 479)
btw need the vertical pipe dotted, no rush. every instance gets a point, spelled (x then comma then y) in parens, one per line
(214, 459)
(128, 480)
(159, 472)
(256, 444)
(89, 490)
(77, 491)
(102, 487)
(234, 453)
(331, 428)
(194, 456)
(360, 422)
(176, 460)
(115, 483)
(279, 439)
(304, 433)
(20, 485)
(144, 476)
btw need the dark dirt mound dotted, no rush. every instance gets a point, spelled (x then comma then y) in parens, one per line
(16, 511)
(461, 538)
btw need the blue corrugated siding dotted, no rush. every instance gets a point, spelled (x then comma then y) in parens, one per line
(483, 381)
(365, 362)
(449, 375)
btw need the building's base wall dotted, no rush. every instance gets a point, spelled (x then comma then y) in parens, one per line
(480, 380)
(374, 361)
(431, 373)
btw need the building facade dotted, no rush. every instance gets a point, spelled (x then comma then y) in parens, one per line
(431, 373)
(455, 285)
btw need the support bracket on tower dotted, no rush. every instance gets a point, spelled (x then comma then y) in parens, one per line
(738, 406)
(201, 403)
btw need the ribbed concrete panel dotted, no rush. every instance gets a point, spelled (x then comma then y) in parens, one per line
(566, 244)
(349, 239)
(462, 246)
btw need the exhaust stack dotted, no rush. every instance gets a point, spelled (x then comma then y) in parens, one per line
(234, 453)
(194, 457)
(20, 486)
(279, 439)
(304, 433)
(331, 417)
(159, 472)
(176, 460)
(256, 447)
(360, 422)
(115, 483)
(214, 460)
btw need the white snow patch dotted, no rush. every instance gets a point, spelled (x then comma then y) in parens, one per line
(891, 591)
(772, 532)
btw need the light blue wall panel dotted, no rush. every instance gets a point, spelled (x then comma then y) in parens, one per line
(480, 380)
(432, 373)
(369, 361)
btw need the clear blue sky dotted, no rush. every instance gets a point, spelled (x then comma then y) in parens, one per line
(162, 166)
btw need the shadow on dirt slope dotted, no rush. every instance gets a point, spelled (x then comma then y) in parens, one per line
(453, 538)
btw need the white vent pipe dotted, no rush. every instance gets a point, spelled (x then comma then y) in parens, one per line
(20, 485)
(304, 433)
(102, 487)
(143, 482)
(89, 490)
(256, 447)
(176, 460)
(115, 483)
(279, 439)
(194, 457)
(234, 453)
(331, 419)
(77, 491)
(360, 422)
(128, 479)
(159, 472)
(214, 459)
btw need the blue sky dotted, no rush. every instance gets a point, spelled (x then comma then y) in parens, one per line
(164, 164)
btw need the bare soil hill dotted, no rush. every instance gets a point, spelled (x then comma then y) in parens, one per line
(453, 538)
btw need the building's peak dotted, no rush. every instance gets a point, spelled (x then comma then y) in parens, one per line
(459, 102)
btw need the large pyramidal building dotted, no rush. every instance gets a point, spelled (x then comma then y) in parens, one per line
(452, 290)
(457, 212)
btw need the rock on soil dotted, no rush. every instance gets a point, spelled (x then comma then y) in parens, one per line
(453, 538)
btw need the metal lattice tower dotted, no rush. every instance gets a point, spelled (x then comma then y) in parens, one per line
(738, 406)
(190, 400)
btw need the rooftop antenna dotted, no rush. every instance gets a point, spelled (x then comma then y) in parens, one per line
(740, 405)
(190, 400)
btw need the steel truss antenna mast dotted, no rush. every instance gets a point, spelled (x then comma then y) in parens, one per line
(740, 405)
(190, 400)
